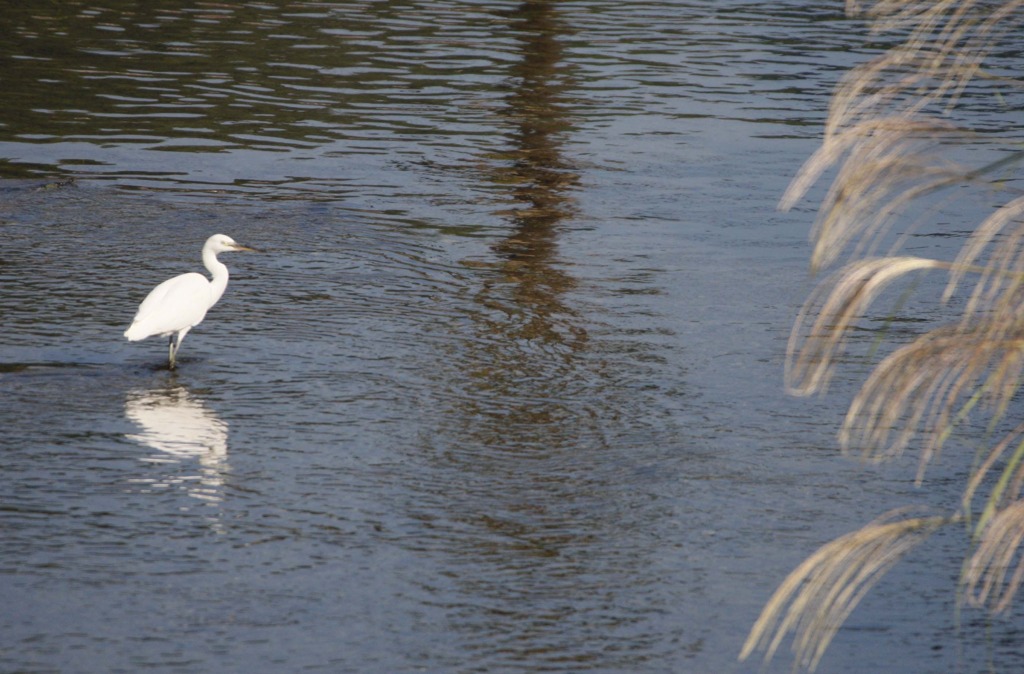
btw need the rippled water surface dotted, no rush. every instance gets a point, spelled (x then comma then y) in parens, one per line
(503, 391)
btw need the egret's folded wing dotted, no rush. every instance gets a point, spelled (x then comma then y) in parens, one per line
(180, 302)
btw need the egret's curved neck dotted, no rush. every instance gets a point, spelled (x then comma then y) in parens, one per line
(219, 283)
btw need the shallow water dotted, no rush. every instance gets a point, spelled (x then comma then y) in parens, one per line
(503, 393)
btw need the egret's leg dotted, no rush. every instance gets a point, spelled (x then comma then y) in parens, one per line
(176, 344)
(171, 352)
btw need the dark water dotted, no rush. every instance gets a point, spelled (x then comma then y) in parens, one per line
(503, 394)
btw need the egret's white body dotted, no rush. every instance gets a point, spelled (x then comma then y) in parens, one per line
(179, 304)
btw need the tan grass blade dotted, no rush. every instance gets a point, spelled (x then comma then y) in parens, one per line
(885, 117)
(819, 335)
(1003, 270)
(947, 40)
(898, 163)
(926, 384)
(1014, 479)
(995, 570)
(815, 599)
(890, 128)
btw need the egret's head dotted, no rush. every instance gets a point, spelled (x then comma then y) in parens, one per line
(222, 243)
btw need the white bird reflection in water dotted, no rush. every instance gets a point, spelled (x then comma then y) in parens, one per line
(182, 430)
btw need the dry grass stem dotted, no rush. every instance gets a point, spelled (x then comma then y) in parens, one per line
(1014, 478)
(998, 287)
(890, 133)
(885, 117)
(889, 165)
(992, 577)
(819, 335)
(926, 384)
(817, 597)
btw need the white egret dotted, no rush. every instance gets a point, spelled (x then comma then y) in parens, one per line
(179, 304)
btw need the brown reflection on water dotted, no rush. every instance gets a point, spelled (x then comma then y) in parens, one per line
(529, 510)
(539, 177)
(527, 334)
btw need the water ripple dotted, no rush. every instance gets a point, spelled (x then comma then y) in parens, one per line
(352, 79)
(503, 392)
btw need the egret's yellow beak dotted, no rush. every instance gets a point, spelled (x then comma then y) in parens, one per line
(240, 247)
